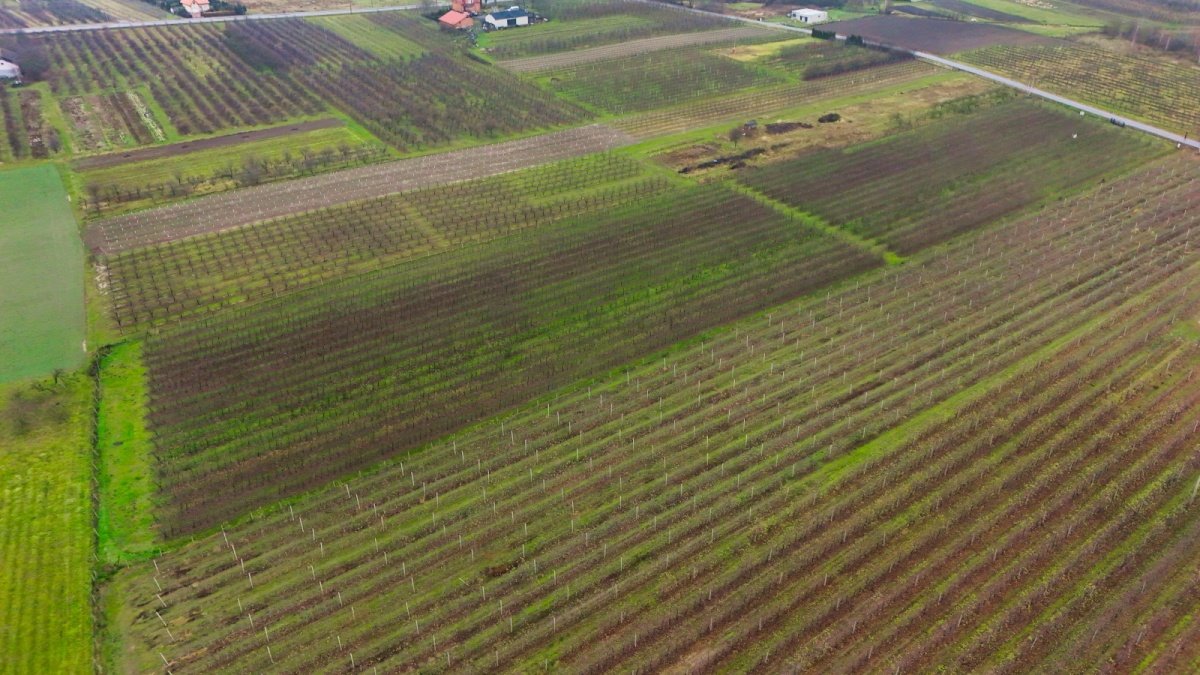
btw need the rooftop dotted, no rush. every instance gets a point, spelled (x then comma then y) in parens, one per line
(510, 13)
(453, 17)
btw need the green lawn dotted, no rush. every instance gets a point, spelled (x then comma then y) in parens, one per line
(45, 527)
(41, 276)
(1059, 16)
(125, 520)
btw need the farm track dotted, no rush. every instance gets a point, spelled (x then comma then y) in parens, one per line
(229, 210)
(603, 53)
(639, 512)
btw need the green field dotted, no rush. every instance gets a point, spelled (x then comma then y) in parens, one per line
(370, 36)
(125, 521)
(41, 276)
(126, 187)
(45, 527)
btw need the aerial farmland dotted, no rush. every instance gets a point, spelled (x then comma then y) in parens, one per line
(592, 336)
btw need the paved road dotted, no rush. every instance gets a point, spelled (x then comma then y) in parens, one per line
(1091, 110)
(211, 19)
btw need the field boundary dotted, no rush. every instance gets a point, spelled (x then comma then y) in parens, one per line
(818, 224)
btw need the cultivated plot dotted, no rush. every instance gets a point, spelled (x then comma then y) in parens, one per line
(243, 207)
(977, 461)
(261, 402)
(203, 274)
(1155, 90)
(46, 539)
(922, 187)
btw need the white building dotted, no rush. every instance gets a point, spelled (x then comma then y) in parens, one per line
(9, 70)
(513, 16)
(809, 15)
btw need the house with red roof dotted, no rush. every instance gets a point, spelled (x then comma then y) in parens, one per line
(455, 20)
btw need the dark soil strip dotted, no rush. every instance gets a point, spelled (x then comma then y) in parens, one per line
(934, 35)
(969, 9)
(176, 149)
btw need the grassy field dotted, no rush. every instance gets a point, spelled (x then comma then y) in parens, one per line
(371, 36)
(41, 276)
(1053, 19)
(46, 526)
(127, 187)
(125, 519)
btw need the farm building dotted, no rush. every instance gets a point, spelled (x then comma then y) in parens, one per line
(9, 70)
(195, 8)
(466, 6)
(809, 15)
(509, 18)
(456, 20)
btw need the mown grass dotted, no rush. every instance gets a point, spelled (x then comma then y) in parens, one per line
(41, 276)
(125, 521)
(371, 36)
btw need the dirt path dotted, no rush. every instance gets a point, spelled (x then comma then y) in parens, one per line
(175, 149)
(228, 210)
(574, 58)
